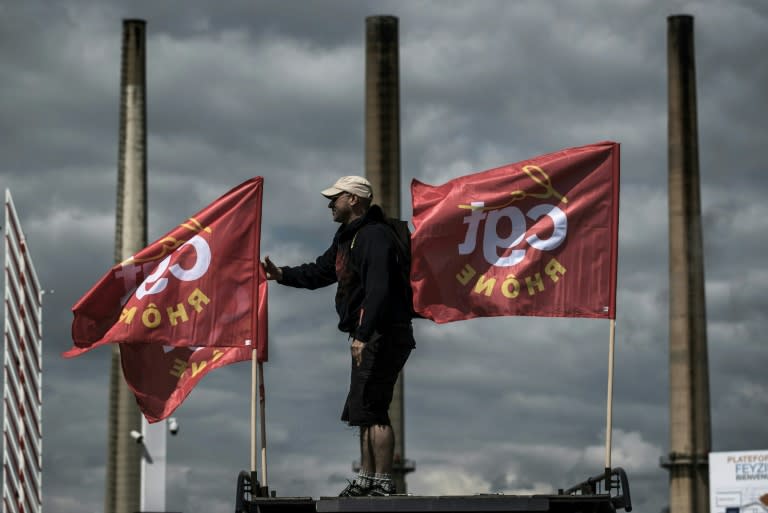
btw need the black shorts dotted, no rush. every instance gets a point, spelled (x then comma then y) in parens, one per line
(373, 381)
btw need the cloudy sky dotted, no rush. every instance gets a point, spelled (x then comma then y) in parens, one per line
(244, 88)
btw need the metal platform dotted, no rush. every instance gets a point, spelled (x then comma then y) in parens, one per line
(582, 498)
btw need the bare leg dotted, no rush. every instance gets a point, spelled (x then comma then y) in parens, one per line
(382, 445)
(366, 453)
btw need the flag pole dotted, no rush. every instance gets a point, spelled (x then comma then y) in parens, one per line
(609, 401)
(262, 410)
(254, 449)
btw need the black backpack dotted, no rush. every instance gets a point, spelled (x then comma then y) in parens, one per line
(401, 235)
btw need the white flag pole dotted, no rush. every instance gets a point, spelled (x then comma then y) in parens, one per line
(262, 411)
(254, 391)
(609, 401)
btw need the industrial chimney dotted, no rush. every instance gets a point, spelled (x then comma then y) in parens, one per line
(382, 168)
(690, 438)
(123, 485)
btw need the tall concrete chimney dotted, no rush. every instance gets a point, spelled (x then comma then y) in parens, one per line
(382, 167)
(124, 457)
(382, 111)
(690, 438)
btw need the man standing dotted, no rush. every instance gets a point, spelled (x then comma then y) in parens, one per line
(374, 306)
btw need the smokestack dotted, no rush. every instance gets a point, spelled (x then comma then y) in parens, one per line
(382, 111)
(382, 168)
(124, 458)
(690, 438)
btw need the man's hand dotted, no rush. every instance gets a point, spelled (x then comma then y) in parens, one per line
(357, 351)
(273, 271)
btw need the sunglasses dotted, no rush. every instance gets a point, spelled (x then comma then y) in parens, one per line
(335, 198)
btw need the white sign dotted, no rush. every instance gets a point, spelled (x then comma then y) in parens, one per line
(738, 482)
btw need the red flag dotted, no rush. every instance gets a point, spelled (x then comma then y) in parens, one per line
(196, 286)
(538, 237)
(161, 379)
(200, 286)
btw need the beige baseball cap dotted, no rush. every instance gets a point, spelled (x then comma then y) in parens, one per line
(356, 185)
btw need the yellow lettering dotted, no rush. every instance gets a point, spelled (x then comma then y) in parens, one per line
(151, 316)
(179, 313)
(510, 287)
(196, 299)
(535, 281)
(554, 270)
(198, 367)
(179, 366)
(217, 354)
(127, 315)
(484, 286)
(466, 274)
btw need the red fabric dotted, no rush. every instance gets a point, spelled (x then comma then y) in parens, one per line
(210, 266)
(161, 379)
(199, 285)
(537, 237)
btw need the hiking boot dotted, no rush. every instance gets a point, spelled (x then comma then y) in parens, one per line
(353, 489)
(376, 490)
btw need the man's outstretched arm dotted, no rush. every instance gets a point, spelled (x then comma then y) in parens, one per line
(320, 273)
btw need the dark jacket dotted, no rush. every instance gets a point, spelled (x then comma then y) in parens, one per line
(362, 259)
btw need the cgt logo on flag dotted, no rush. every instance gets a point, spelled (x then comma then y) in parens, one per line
(196, 286)
(175, 285)
(532, 238)
(157, 281)
(193, 301)
(496, 215)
